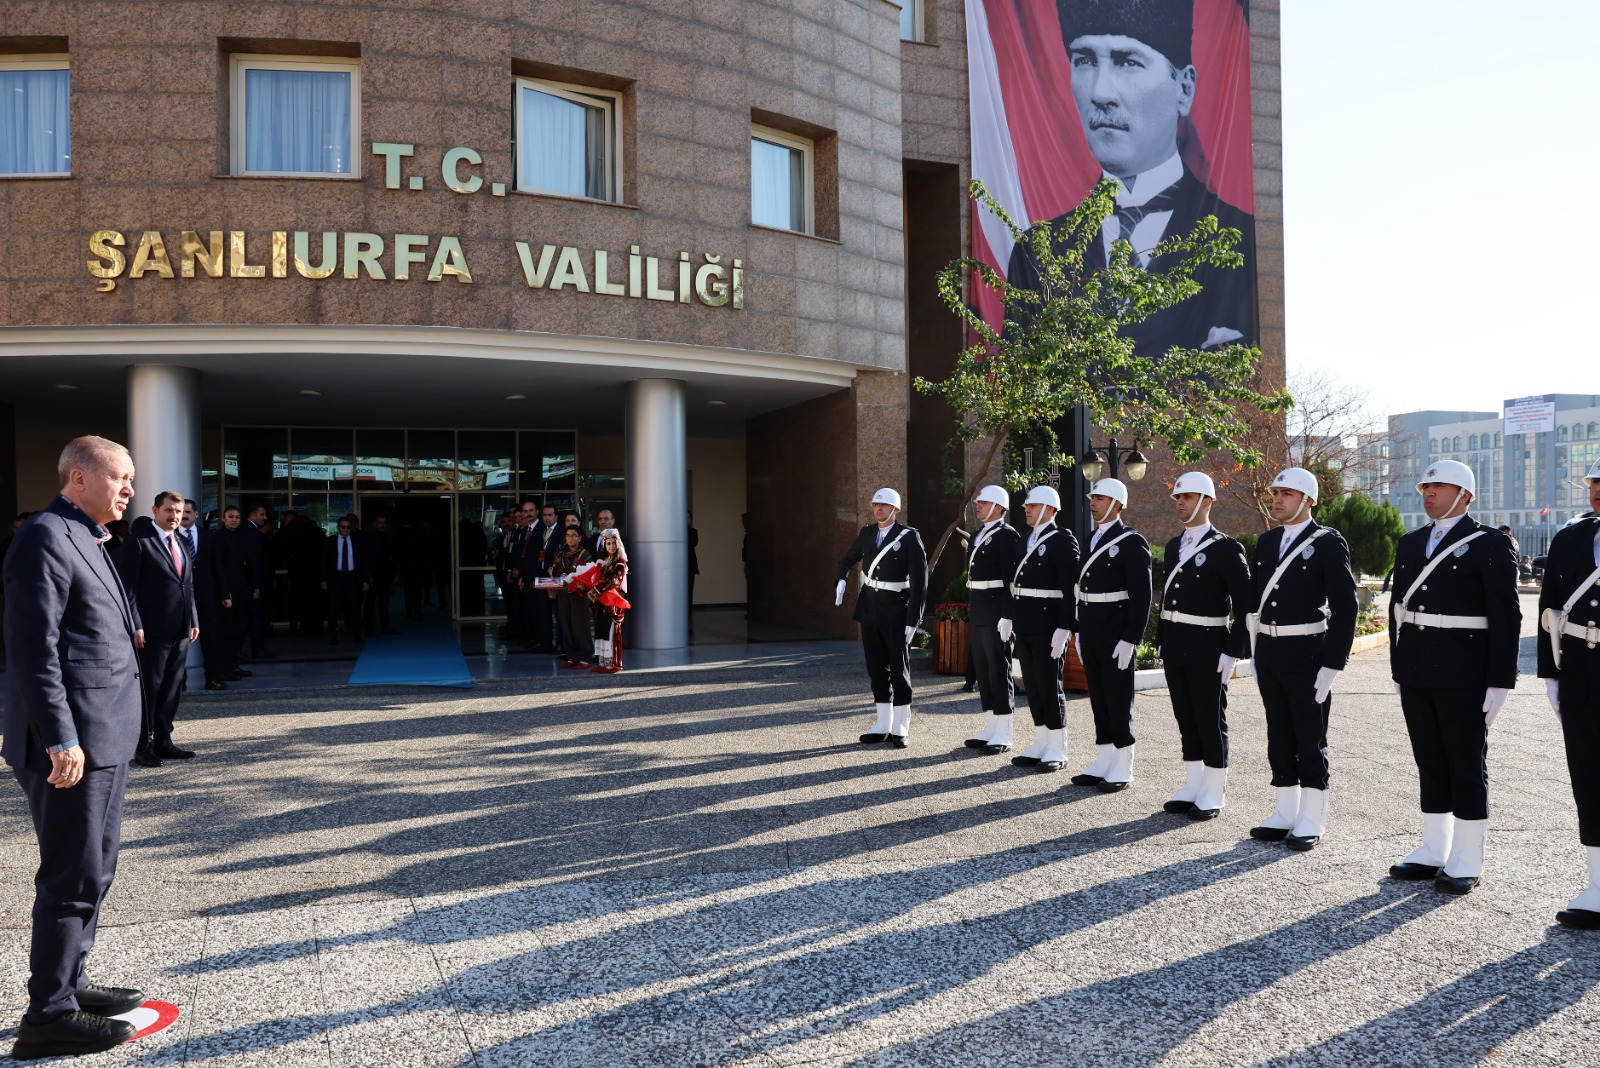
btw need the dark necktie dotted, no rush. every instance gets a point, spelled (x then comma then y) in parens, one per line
(1130, 217)
(188, 536)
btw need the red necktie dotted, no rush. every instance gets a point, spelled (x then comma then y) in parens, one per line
(177, 557)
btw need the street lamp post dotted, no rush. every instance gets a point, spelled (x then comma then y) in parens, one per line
(1097, 465)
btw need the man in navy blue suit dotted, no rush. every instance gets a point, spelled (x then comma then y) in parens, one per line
(72, 722)
(158, 574)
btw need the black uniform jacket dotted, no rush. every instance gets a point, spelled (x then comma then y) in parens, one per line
(1319, 575)
(1571, 561)
(1123, 566)
(161, 600)
(1479, 579)
(906, 562)
(1052, 565)
(993, 559)
(1215, 581)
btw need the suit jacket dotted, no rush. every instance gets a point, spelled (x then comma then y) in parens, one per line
(1569, 562)
(1052, 565)
(1479, 579)
(161, 600)
(907, 561)
(992, 558)
(1319, 576)
(72, 671)
(1213, 582)
(360, 557)
(1124, 566)
(543, 544)
(253, 547)
(1227, 298)
(211, 585)
(229, 564)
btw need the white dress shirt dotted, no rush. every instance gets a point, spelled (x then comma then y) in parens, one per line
(1192, 536)
(1148, 232)
(1441, 527)
(1291, 531)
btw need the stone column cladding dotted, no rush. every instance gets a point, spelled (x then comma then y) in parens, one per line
(657, 474)
(163, 432)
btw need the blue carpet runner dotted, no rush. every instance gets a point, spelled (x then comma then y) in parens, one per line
(424, 654)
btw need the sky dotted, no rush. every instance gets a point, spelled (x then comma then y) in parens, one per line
(1441, 172)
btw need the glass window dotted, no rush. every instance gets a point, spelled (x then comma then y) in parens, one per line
(1472, 442)
(296, 116)
(567, 140)
(548, 460)
(35, 116)
(431, 457)
(780, 180)
(910, 19)
(255, 458)
(380, 459)
(1561, 433)
(487, 459)
(1433, 446)
(321, 459)
(324, 510)
(1499, 439)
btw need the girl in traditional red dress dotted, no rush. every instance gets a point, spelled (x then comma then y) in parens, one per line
(611, 582)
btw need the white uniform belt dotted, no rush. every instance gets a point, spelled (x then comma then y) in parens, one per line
(987, 584)
(1024, 592)
(1292, 630)
(1590, 633)
(1102, 598)
(1432, 619)
(892, 587)
(1196, 621)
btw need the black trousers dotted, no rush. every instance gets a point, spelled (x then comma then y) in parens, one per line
(574, 613)
(1580, 727)
(1450, 743)
(540, 614)
(344, 598)
(991, 665)
(516, 605)
(377, 607)
(888, 664)
(1110, 696)
(1041, 678)
(1297, 726)
(1200, 704)
(161, 665)
(79, 832)
(213, 640)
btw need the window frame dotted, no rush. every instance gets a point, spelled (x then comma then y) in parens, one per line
(808, 155)
(918, 29)
(239, 63)
(43, 61)
(587, 95)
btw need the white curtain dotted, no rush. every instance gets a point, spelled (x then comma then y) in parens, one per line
(35, 134)
(563, 146)
(777, 185)
(297, 121)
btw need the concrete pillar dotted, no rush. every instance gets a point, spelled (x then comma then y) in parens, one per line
(656, 473)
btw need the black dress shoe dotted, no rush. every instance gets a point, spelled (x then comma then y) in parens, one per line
(1051, 765)
(1177, 808)
(168, 751)
(240, 674)
(1198, 813)
(70, 1035)
(873, 739)
(1111, 787)
(1303, 843)
(1579, 919)
(146, 759)
(109, 1000)
(976, 743)
(1454, 884)
(1025, 761)
(1269, 834)
(898, 741)
(991, 749)
(216, 684)
(1413, 872)
(969, 687)
(1087, 780)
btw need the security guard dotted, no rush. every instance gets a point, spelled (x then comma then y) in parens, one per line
(1303, 625)
(1454, 621)
(1042, 614)
(1113, 595)
(1207, 581)
(894, 588)
(990, 563)
(1569, 662)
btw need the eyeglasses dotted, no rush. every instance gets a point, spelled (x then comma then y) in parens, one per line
(343, 526)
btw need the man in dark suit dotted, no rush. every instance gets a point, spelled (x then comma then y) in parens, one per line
(991, 562)
(894, 588)
(1303, 619)
(545, 539)
(1202, 634)
(345, 575)
(1134, 85)
(384, 564)
(159, 576)
(1042, 614)
(243, 579)
(1113, 595)
(72, 721)
(213, 595)
(1454, 626)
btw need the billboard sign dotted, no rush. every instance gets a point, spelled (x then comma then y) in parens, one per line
(1531, 415)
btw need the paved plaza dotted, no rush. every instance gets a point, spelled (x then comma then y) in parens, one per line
(701, 868)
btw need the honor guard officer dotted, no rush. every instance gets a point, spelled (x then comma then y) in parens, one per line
(1113, 595)
(1207, 580)
(894, 587)
(1569, 662)
(1454, 621)
(990, 565)
(1303, 626)
(1042, 616)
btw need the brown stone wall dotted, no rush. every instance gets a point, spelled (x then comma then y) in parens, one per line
(149, 114)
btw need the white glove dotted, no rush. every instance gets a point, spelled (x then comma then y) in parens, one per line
(1077, 639)
(1397, 689)
(1225, 666)
(1552, 690)
(1058, 643)
(1493, 700)
(1124, 654)
(909, 632)
(838, 595)
(1246, 669)
(1325, 677)
(1004, 628)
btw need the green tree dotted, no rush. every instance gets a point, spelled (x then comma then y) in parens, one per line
(1062, 347)
(1372, 530)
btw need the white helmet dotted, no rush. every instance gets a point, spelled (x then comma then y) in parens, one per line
(1593, 474)
(1110, 487)
(1451, 473)
(886, 496)
(1195, 482)
(1044, 495)
(1297, 478)
(995, 495)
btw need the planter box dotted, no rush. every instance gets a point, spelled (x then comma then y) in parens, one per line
(1072, 674)
(952, 642)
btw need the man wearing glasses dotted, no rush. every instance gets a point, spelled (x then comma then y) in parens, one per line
(344, 576)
